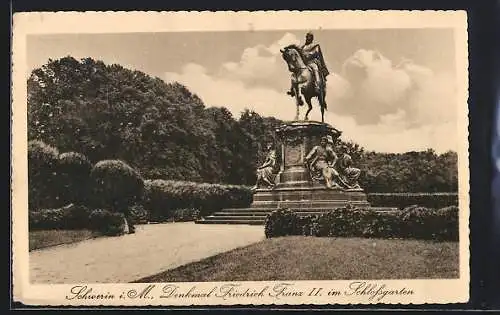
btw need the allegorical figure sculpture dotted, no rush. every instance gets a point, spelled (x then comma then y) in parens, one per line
(348, 174)
(320, 162)
(265, 172)
(308, 74)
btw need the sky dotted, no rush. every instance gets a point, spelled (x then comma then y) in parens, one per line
(390, 90)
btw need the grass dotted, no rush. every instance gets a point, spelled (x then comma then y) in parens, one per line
(47, 238)
(315, 258)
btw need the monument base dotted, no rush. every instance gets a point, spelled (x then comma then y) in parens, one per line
(295, 189)
(308, 197)
(303, 200)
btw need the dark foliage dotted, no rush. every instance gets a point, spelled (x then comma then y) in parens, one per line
(403, 200)
(283, 222)
(71, 217)
(161, 197)
(115, 186)
(412, 222)
(73, 178)
(42, 176)
(137, 214)
(107, 222)
(423, 171)
(184, 215)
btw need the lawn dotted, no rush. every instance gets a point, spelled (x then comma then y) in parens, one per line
(315, 258)
(47, 238)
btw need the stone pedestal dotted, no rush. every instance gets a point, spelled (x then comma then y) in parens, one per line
(295, 188)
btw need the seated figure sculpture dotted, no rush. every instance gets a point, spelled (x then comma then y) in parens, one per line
(265, 172)
(348, 174)
(321, 161)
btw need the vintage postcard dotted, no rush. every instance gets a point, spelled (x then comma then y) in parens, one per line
(240, 158)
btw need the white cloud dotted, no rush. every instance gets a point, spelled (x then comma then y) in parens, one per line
(381, 106)
(379, 88)
(260, 65)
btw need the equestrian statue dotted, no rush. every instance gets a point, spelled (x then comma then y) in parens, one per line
(308, 72)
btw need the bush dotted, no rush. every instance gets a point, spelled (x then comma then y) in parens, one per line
(137, 215)
(412, 222)
(417, 222)
(74, 172)
(184, 215)
(71, 217)
(107, 222)
(42, 176)
(447, 229)
(283, 222)
(162, 197)
(115, 185)
(403, 200)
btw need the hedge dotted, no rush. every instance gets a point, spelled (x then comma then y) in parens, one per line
(184, 215)
(412, 222)
(403, 200)
(161, 197)
(77, 217)
(115, 186)
(136, 214)
(71, 217)
(74, 173)
(42, 176)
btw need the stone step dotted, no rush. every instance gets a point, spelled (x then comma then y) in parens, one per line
(259, 211)
(307, 204)
(304, 193)
(266, 210)
(257, 217)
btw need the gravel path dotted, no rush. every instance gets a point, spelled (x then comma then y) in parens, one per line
(152, 249)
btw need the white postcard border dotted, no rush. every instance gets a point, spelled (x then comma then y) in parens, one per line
(424, 291)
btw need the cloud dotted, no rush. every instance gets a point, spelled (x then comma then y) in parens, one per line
(382, 106)
(378, 88)
(260, 65)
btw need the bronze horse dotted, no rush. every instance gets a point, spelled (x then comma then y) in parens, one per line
(302, 81)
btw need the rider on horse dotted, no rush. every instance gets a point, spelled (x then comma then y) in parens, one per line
(313, 58)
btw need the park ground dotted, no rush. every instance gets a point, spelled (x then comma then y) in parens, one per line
(189, 252)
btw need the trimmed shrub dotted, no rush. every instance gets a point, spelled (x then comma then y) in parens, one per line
(403, 200)
(71, 217)
(74, 173)
(137, 215)
(412, 222)
(42, 176)
(162, 197)
(107, 222)
(417, 222)
(115, 185)
(447, 229)
(184, 215)
(283, 222)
